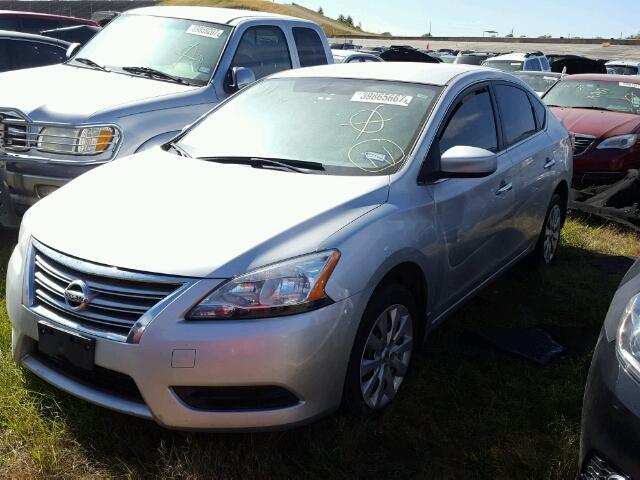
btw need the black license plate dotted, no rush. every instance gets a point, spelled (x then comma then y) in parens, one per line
(65, 346)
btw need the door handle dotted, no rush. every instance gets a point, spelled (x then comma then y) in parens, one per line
(550, 162)
(504, 188)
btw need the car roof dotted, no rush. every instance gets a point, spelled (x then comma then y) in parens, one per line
(515, 56)
(603, 77)
(427, 73)
(15, 13)
(625, 63)
(227, 16)
(32, 36)
(350, 53)
(533, 73)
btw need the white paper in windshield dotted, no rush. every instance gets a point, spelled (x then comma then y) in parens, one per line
(205, 31)
(627, 84)
(384, 98)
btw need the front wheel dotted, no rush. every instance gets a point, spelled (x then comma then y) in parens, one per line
(549, 239)
(382, 351)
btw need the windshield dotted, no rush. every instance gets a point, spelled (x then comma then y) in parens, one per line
(621, 70)
(504, 65)
(351, 127)
(185, 49)
(602, 95)
(539, 83)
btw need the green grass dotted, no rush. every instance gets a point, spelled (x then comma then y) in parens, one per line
(464, 413)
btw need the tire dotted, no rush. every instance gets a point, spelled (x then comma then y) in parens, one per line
(549, 239)
(379, 363)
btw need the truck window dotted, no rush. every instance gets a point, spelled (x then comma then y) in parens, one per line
(27, 54)
(310, 49)
(264, 50)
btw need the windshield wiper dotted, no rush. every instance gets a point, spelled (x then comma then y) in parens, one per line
(179, 150)
(297, 166)
(90, 63)
(595, 108)
(152, 72)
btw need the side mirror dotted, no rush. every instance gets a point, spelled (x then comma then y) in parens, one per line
(241, 77)
(72, 49)
(467, 162)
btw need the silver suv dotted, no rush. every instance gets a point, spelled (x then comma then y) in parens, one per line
(135, 85)
(290, 250)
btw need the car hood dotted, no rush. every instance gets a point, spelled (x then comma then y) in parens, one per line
(160, 213)
(599, 123)
(62, 93)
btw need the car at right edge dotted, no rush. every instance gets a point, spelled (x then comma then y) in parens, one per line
(603, 112)
(610, 442)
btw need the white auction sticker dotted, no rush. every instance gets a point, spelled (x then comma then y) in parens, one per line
(205, 31)
(384, 98)
(627, 84)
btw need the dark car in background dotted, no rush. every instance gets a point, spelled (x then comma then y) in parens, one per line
(603, 112)
(23, 50)
(30, 22)
(77, 34)
(575, 64)
(610, 441)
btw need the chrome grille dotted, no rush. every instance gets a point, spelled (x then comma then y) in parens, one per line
(18, 134)
(13, 132)
(581, 143)
(598, 469)
(117, 298)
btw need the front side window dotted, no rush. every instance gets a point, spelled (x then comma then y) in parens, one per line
(471, 124)
(595, 95)
(264, 50)
(516, 113)
(25, 54)
(185, 49)
(351, 127)
(310, 48)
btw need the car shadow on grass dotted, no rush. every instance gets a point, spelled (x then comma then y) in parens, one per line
(462, 413)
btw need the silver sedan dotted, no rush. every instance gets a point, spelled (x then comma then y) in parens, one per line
(288, 252)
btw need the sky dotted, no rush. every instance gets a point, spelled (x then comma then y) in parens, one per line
(584, 18)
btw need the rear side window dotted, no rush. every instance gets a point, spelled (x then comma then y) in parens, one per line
(264, 50)
(539, 111)
(545, 63)
(310, 49)
(471, 124)
(533, 65)
(8, 23)
(516, 113)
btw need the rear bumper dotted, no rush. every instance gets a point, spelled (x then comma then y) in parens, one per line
(611, 416)
(305, 354)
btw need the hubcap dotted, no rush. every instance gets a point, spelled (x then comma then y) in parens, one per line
(386, 356)
(552, 233)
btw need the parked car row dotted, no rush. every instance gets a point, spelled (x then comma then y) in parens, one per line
(280, 234)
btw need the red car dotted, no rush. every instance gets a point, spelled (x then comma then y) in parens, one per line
(30, 22)
(603, 112)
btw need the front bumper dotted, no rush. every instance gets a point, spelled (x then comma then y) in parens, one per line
(604, 166)
(305, 354)
(611, 416)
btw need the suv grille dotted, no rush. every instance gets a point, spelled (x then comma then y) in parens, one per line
(13, 132)
(116, 299)
(581, 143)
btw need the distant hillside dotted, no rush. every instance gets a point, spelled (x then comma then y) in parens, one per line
(331, 26)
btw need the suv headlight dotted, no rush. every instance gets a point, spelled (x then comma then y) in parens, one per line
(77, 141)
(628, 341)
(285, 288)
(621, 142)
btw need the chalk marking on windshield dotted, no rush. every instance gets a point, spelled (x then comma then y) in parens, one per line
(379, 161)
(195, 57)
(373, 124)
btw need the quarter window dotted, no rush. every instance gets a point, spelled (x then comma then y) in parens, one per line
(264, 50)
(472, 123)
(310, 48)
(516, 113)
(540, 112)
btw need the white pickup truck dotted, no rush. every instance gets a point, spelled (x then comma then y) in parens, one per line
(135, 85)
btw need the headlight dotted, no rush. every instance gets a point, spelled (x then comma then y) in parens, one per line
(628, 342)
(289, 287)
(77, 141)
(621, 142)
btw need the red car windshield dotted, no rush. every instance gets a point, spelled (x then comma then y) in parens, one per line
(614, 96)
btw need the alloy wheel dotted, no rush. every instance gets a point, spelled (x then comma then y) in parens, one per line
(386, 356)
(552, 233)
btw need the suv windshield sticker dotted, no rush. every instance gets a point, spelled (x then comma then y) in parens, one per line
(631, 85)
(384, 98)
(205, 31)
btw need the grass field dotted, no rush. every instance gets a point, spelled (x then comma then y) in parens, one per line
(464, 413)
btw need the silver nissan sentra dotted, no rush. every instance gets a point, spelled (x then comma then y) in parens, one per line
(288, 252)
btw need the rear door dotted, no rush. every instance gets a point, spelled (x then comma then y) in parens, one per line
(474, 214)
(530, 150)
